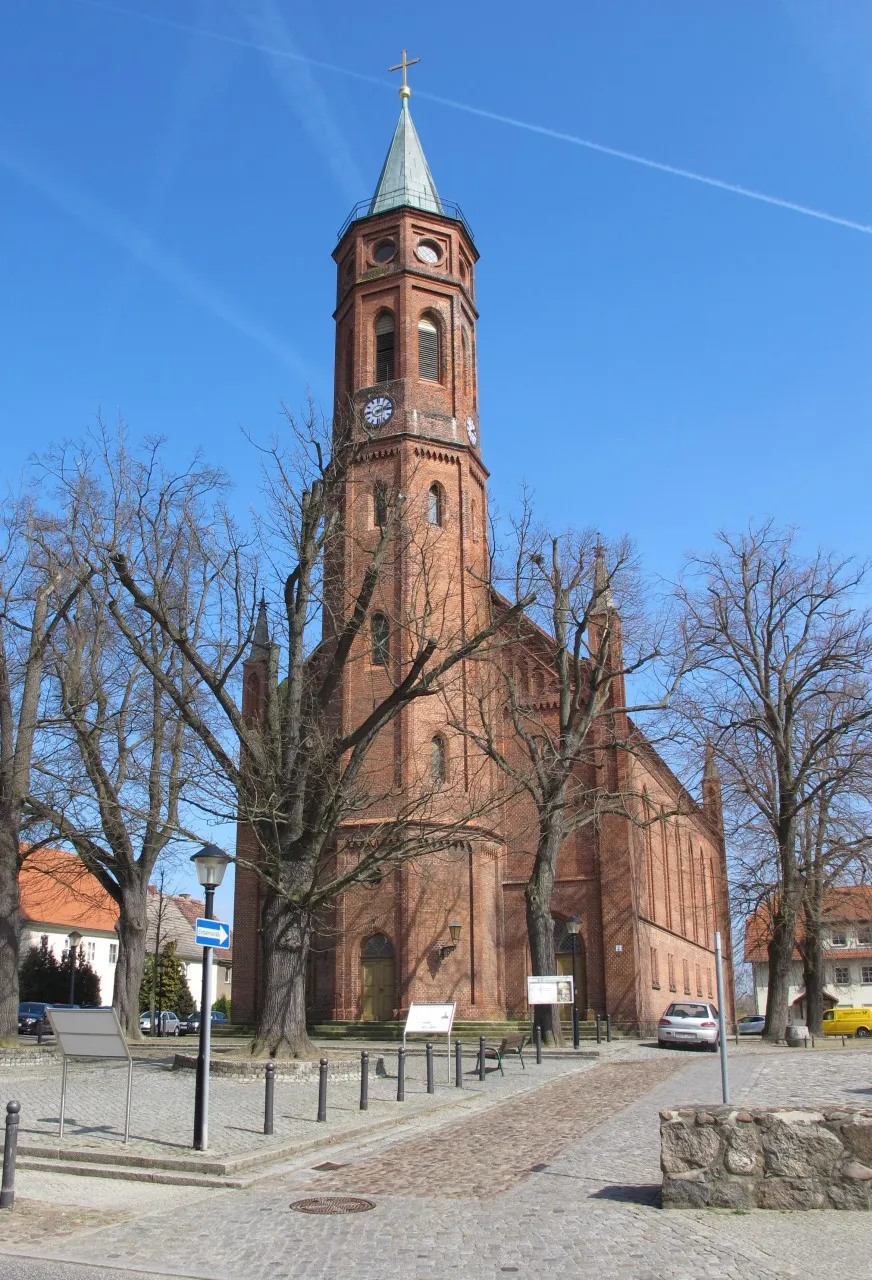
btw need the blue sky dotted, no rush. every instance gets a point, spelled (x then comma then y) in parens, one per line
(657, 356)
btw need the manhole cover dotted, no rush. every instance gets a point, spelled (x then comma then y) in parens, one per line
(333, 1204)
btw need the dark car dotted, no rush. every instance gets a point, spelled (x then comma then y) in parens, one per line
(33, 1012)
(191, 1024)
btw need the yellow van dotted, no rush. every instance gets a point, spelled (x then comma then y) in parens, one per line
(848, 1020)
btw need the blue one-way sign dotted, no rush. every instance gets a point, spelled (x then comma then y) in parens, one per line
(212, 933)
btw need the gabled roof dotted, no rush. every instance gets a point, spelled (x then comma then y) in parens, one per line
(843, 904)
(405, 177)
(57, 889)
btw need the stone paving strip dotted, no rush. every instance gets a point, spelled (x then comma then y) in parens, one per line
(487, 1155)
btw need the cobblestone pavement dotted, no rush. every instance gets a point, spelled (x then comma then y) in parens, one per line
(589, 1209)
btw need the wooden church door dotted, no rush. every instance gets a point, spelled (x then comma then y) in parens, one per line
(378, 981)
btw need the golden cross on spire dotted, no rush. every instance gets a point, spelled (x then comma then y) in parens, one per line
(405, 91)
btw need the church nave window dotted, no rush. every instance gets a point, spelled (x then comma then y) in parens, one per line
(428, 349)
(380, 506)
(381, 637)
(435, 505)
(384, 347)
(438, 761)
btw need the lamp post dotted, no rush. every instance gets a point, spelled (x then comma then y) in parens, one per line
(73, 939)
(573, 924)
(211, 863)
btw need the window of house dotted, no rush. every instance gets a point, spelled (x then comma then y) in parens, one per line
(380, 506)
(709, 984)
(838, 938)
(866, 974)
(384, 347)
(438, 761)
(43, 939)
(90, 952)
(435, 504)
(843, 975)
(864, 935)
(698, 980)
(381, 637)
(655, 968)
(226, 975)
(670, 964)
(686, 975)
(428, 349)
(113, 952)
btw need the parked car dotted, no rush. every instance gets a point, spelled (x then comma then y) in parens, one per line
(191, 1024)
(848, 1020)
(689, 1022)
(751, 1025)
(33, 1012)
(168, 1022)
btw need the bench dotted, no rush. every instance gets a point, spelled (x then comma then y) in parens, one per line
(509, 1044)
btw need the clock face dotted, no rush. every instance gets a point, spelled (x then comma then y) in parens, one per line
(378, 411)
(471, 430)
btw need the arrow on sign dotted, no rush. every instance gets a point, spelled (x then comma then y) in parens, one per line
(212, 933)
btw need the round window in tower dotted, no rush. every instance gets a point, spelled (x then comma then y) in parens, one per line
(384, 251)
(428, 251)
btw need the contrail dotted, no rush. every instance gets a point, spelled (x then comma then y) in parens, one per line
(661, 166)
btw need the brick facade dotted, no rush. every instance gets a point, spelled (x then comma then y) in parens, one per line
(647, 896)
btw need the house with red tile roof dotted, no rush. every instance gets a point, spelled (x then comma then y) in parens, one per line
(847, 951)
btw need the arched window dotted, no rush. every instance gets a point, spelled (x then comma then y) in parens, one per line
(429, 355)
(384, 347)
(380, 506)
(381, 636)
(377, 947)
(438, 761)
(435, 505)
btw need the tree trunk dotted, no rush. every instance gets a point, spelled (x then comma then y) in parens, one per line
(781, 949)
(813, 970)
(540, 923)
(10, 932)
(286, 934)
(132, 922)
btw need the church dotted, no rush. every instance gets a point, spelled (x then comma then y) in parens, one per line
(451, 927)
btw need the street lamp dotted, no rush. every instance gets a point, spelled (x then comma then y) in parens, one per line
(211, 863)
(73, 940)
(573, 925)
(446, 948)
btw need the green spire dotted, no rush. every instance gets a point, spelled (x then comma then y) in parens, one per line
(405, 177)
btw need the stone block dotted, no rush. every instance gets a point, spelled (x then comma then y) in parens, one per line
(857, 1137)
(850, 1195)
(791, 1193)
(683, 1148)
(799, 1149)
(744, 1152)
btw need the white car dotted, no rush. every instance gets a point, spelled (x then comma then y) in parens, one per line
(689, 1022)
(169, 1023)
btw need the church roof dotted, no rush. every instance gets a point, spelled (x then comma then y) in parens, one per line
(405, 177)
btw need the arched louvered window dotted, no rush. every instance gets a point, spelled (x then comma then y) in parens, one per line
(381, 638)
(438, 761)
(435, 505)
(428, 349)
(384, 347)
(377, 947)
(380, 506)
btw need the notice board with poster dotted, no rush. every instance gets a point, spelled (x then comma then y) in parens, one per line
(431, 1020)
(554, 988)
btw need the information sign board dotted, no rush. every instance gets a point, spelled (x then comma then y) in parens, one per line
(433, 1020)
(211, 933)
(90, 1033)
(551, 989)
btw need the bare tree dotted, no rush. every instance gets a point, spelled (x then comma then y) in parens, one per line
(323, 812)
(37, 589)
(552, 751)
(781, 655)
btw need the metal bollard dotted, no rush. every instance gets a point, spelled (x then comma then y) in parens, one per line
(481, 1058)
(364, 1080)
(431, 1084)
(608, 1028)
(10, 1148)
(458, 1065)
(537, 1036)
(401, 1075)
(575, 1028)
(599, 1029)
(322, 1089)
(269, 1096)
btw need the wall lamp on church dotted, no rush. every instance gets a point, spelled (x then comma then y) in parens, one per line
(445, 948)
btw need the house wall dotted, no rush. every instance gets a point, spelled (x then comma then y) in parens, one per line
(101, 950)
